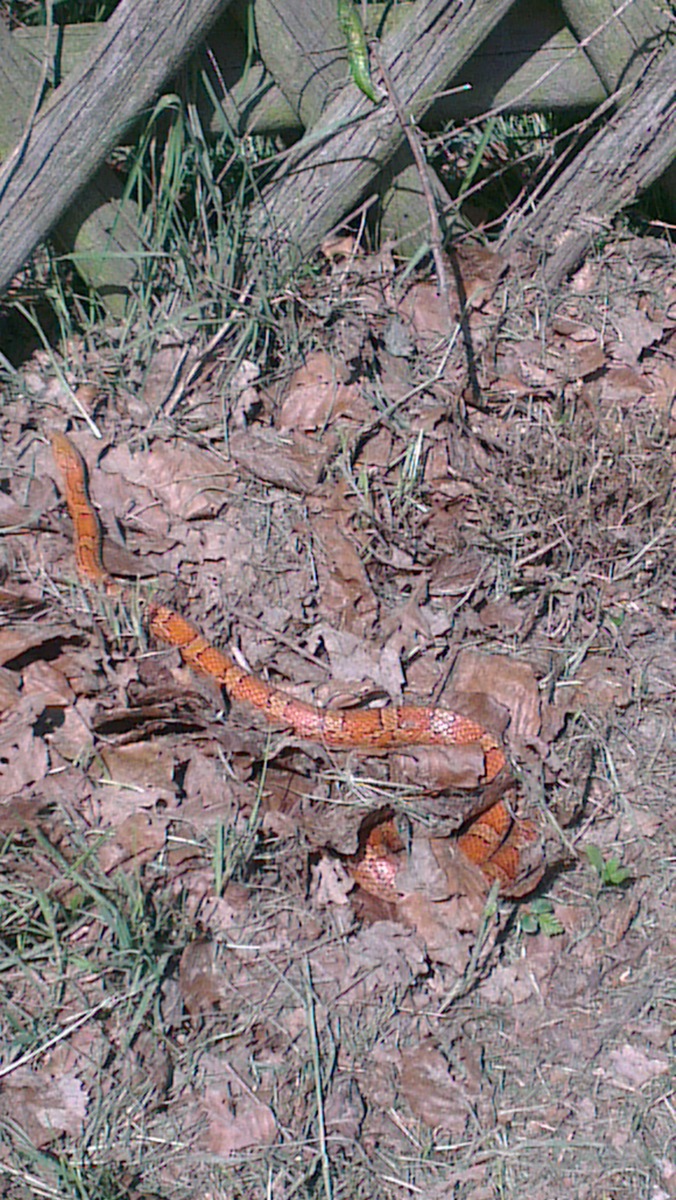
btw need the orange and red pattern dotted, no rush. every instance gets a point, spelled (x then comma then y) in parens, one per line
(493, 842)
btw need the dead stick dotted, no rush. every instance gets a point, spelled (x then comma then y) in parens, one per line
(411, 135)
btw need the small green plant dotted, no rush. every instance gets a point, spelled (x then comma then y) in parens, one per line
(539, 917)
(610, 871)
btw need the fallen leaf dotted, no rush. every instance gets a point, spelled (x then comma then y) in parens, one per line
(43, 680)
(634, 1067)
(346, 594)
(443, 769)
(18, 640)
(43, 1105)
(509, 683)
(344, 1110)
(601, 684)
(426, 312)
(317, 393)
(431, 1091)
(23, 757)
(9, 689)
(502, 615)
(285, 461)
(446, 928)
(202, 986)
(624, 385)
(188, 482)
(143, 836)
(236, 1121)
(577, 331)
(245, 397)
(161, 374)
(331, 883)
(381, 955)
(635, 333)
(353, 660)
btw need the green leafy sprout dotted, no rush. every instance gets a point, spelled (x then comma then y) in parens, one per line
(539, 917)
(610, 871)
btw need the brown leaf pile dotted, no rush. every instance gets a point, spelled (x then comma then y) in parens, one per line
(370, 524)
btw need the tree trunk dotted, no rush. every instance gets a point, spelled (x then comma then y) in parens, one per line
(144, 43)
(624, 158)
(331, 169)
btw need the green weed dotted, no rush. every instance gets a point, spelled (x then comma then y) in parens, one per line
(609, 870)
(539, 917)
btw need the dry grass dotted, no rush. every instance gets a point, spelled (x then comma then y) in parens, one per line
(173, 978)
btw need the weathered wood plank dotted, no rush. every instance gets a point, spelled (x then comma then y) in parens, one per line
(530, 62)
(626, 156)
(331, 169)
(144, 43)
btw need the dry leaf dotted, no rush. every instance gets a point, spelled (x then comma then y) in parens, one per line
(381, 955)
(331, 883)
(140, 764)
(17, 640)
(509, 984)
(443, 769)
(426, 312)
(502, 615)
(45, 1106)
(189, 482)
(162, 372)
(202, 986)
(636, 332)
(317, 393)
(576, 330)
(245, 397)
(432, 1093)
(624, 385)
(510, 684)
(347, 598)
(632, 1066)
(43, 680)
(344, 1110)
(292, 462)
(602, 683)
(446, 929)
(421, 871)
(9, 689)
(23, 757)
(143, 836)
(353, 660)
(236, 1121)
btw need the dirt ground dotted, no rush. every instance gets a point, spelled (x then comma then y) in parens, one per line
(197, 999)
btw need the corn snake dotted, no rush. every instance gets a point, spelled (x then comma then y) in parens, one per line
(493, 841)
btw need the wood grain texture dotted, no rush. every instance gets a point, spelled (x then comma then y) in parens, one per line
(144, 43)
(630, 152)
(330, 170)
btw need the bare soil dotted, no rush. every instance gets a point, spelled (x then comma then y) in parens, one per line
(196, 999)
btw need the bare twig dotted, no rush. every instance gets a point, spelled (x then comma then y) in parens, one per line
(411, 134)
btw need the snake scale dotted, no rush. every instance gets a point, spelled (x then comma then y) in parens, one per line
(493, 841)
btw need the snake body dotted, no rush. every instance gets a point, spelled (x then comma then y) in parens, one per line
(357, 729)
(87, 539)
(493, 841)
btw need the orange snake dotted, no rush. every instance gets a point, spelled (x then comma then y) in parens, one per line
(494, 839)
